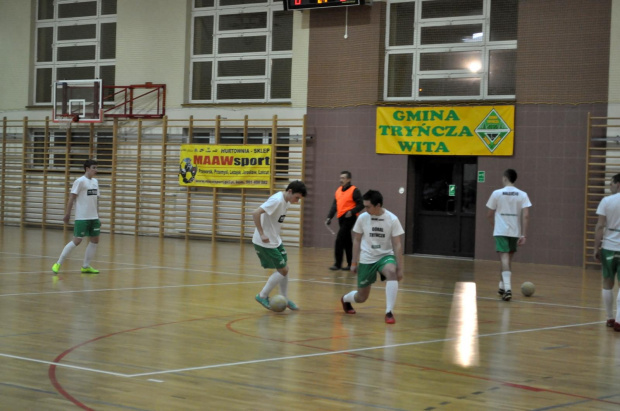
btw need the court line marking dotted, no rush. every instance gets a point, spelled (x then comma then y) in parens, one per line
(570, 404)
(261, 276)
(294, 357)
(49, 271)
(12, 255)
(409, 290)
(22, 272)
(291, 357)
(147, 266)
(368, 348)
(134, 288)
(74, 367)
(153, 267)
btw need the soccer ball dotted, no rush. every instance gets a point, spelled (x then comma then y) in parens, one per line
(527, 288)
(278, 303)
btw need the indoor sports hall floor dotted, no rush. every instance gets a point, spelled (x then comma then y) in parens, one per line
(173, 325)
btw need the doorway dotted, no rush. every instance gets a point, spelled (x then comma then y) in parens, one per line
(444, 212)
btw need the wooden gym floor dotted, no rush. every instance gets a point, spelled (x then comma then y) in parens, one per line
(173, 325)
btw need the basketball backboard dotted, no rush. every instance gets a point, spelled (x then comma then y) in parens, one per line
(77, 101)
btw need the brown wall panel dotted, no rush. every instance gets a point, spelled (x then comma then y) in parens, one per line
(344, 139)
(563, 51)
(563, 59)
(346, 71)
(550, 159)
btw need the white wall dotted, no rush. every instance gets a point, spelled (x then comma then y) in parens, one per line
(150, 45)
(301, 41)
(614, 70)
(15, 56)
(153, 45)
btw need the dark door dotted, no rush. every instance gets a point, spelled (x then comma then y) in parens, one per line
(445, 205)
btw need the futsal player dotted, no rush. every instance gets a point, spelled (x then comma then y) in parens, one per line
(607, 248)
(85, 195)
(377, 248)
(268, 219)
(509, 216)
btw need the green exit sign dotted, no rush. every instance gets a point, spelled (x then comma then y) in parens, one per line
(481, 176)
(451, 190)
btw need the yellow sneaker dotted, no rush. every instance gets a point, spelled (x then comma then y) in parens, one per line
(56, 268)
(89, 270)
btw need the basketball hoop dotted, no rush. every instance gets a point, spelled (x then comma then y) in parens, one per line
(65, 121)
(74, 119)
(77, 101)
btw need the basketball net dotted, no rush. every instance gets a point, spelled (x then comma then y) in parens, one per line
(69, 119)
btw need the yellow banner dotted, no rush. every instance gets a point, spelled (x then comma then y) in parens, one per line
(464, 131)
(235, 166)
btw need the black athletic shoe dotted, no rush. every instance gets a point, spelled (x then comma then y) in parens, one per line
(507, 295)
(501, 292)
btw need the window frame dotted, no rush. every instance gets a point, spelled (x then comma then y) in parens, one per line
(485, 46)
(81, 146)
(269, 7)
(55, 23)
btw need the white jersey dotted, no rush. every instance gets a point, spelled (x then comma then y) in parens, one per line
(508, 203)
(610, 208)
(87, 191)
(275, 210)
(377, 233)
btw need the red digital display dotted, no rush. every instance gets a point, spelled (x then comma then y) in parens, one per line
(319, 4)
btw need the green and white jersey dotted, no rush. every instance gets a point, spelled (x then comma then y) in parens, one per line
(508, 202)
(377, 233)
(610, 208)
(275, 210)
(87, 191)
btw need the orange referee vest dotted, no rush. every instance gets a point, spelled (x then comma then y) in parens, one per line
(344, 200)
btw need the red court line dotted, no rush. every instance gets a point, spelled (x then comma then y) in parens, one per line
(52, 368)
(460, 374)
(63, 392)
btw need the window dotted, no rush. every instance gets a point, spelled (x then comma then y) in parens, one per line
(241, 51)
(75, 40)
(55, 150)
(450, 50)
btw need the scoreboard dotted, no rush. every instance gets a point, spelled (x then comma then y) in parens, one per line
(319, 4)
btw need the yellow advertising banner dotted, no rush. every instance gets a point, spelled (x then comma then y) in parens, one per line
(235, 166)
(450, 131)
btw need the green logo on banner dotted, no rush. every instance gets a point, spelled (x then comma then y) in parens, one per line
(492, 130)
